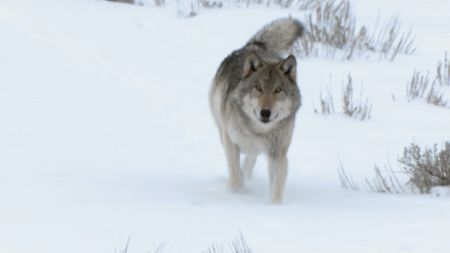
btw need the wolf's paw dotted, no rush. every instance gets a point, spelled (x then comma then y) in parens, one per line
(276, 202)
(248, 174)
(236, 186)
(276, 199)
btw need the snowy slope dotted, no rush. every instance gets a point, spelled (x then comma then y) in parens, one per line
(105, 132)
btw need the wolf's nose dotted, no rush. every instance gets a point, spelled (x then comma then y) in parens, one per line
(265, 114)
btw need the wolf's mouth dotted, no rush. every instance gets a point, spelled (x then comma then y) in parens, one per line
(265, 121)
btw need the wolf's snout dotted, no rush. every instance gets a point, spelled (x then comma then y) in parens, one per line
(265, 114)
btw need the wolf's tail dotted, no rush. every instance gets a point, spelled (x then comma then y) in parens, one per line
(279, 35)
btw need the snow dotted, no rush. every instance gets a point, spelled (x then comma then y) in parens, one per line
(106, 132)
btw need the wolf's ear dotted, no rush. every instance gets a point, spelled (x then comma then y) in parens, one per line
(289, 67)
(251, 64)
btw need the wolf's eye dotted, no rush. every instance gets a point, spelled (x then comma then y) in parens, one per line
(258, 88)
(277, 90)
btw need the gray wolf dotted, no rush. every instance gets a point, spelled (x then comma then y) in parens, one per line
(254, 98)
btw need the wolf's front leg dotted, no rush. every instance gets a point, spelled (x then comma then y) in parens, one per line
(249, 164)
(278, 169)
(232, 153)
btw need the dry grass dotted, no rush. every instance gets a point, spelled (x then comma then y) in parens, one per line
(125, 248)
(331, 32)
(427, 167)
(214, 249)
(421, 87)
(208, 4)
(443, 71)
(331, 29)
(390, 40)
(188, 8)
(122, 1)
(238, 245)
(346, 179)
(355, 107)
(424, 167)
(384, 181)
(432, 91)
(326, 102)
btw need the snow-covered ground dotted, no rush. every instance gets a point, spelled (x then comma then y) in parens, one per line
(105, 132)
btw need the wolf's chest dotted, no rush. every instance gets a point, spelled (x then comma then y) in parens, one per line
(247, 142)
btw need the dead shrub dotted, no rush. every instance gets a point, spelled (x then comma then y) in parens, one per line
(355, 107)
(326, 102)
(427, 167)
(421, 87)
(443, 72)
(423, 167)
(331, 32)
(432, 91)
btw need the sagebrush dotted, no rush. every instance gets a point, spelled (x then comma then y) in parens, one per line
(423, 167)
(427, 167)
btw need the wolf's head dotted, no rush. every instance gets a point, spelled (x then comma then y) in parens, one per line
(268, 90)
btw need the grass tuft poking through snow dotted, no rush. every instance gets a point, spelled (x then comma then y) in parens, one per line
(122, 1)
(326, 102)
(433, 90)
(356, 107)
(238, 245)
(427, 167)
(443, 71)
(331, 32)
(420, 87)
(384, 181)
(125, 248)
(346, 179)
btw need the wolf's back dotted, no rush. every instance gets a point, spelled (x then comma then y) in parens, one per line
(279, 35)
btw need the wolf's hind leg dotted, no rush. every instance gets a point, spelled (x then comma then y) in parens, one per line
(233, 158)
(247, 167)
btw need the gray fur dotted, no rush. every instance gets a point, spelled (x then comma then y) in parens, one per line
(279, 35)
(250, 80)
